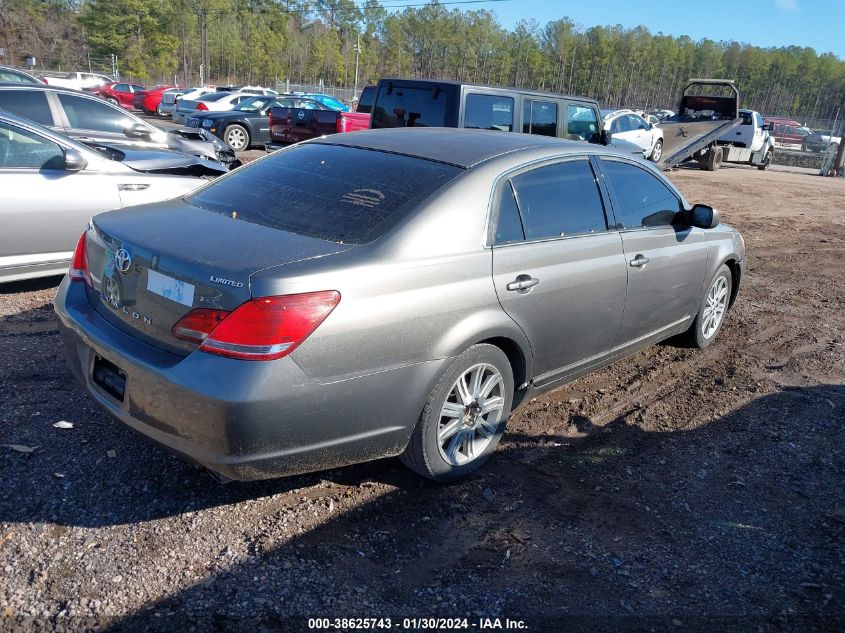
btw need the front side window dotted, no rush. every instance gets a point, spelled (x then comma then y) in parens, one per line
(559, 200)
(581, 123)
(641, 199)
(539, 117)
(31, 104)
(488, 112)
(397, 106)
(637, 123)
(89, 114)
(22, 149)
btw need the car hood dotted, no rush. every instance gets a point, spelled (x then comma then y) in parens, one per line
(163, 161)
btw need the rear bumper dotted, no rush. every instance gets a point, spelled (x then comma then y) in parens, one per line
(243, 419)
(272, 146)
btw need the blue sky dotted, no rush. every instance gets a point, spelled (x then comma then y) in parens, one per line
(819, 24)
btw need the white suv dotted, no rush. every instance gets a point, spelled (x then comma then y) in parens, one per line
(631, 127)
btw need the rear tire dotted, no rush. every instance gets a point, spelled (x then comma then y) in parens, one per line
(454, 436)
(713, 160)
(711, 312)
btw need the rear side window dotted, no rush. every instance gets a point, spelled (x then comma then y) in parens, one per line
(365, 103)
(339, 194)
(488, 112)
(508, 224)
(409, 107)
(89, 114)
(215, 96)
(539, 117)
(559, 200)
(642, 200)
(31, 104)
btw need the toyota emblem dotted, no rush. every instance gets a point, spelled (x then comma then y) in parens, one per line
(122, 260)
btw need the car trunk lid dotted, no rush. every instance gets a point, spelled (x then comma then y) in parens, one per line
(151, 265)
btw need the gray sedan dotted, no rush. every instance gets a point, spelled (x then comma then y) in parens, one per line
(387, 292)
(52, 185)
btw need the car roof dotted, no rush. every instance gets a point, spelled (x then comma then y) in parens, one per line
(455, 146)
(469, 84)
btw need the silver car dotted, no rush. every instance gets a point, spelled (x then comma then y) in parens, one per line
(52, 185)
(386, 292)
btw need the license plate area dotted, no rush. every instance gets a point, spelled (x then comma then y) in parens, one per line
(109, 377)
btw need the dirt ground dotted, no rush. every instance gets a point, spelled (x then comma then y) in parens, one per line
(677, 490)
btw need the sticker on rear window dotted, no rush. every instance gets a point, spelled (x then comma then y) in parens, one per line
(169, 288)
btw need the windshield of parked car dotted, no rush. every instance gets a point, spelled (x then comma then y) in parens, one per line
(334, 193)
(255, 104)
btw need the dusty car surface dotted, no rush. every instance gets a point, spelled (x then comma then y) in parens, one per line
(52, 185)
(387, 292)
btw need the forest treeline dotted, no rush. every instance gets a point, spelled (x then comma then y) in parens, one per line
(259, 41)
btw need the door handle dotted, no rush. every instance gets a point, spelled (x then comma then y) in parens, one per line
(523, 282)
(639, 261)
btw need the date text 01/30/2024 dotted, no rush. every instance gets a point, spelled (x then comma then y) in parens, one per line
(417, 624)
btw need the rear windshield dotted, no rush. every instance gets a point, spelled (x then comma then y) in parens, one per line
(409, 107)
(339, 194)
(216, 96)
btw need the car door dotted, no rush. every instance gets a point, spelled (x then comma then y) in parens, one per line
(559, 272)
(665, 261)
(45, 207)
(640, 133)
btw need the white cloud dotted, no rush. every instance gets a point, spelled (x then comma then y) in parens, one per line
(791, 6)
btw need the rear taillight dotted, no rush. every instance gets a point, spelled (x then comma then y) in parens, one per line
(79, 264)
(265, 328)
(202, 106)
(341, 124)
(198, 324)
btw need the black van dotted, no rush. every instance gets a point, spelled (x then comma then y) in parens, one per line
(434, 103)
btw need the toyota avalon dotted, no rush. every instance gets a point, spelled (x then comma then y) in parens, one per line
(382, 293)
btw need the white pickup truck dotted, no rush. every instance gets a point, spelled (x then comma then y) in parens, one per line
(76, 80)
(748, 143)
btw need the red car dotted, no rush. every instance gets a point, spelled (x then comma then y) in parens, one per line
(120, 93)
(148, 100)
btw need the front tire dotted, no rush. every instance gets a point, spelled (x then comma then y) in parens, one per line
(657, 152)
(711, 313)
(766, 161)
(236, 137)
(112, 101)
(159, 111)
(464, 416)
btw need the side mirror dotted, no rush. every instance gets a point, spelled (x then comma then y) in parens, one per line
(704, 217)
(137, 130)
(74, 161)
(605, 137)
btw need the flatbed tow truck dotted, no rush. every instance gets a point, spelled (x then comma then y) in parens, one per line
(709, 108)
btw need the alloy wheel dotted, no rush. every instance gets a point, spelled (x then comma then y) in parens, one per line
(236, 138)
(715, 307)
(471, 414)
